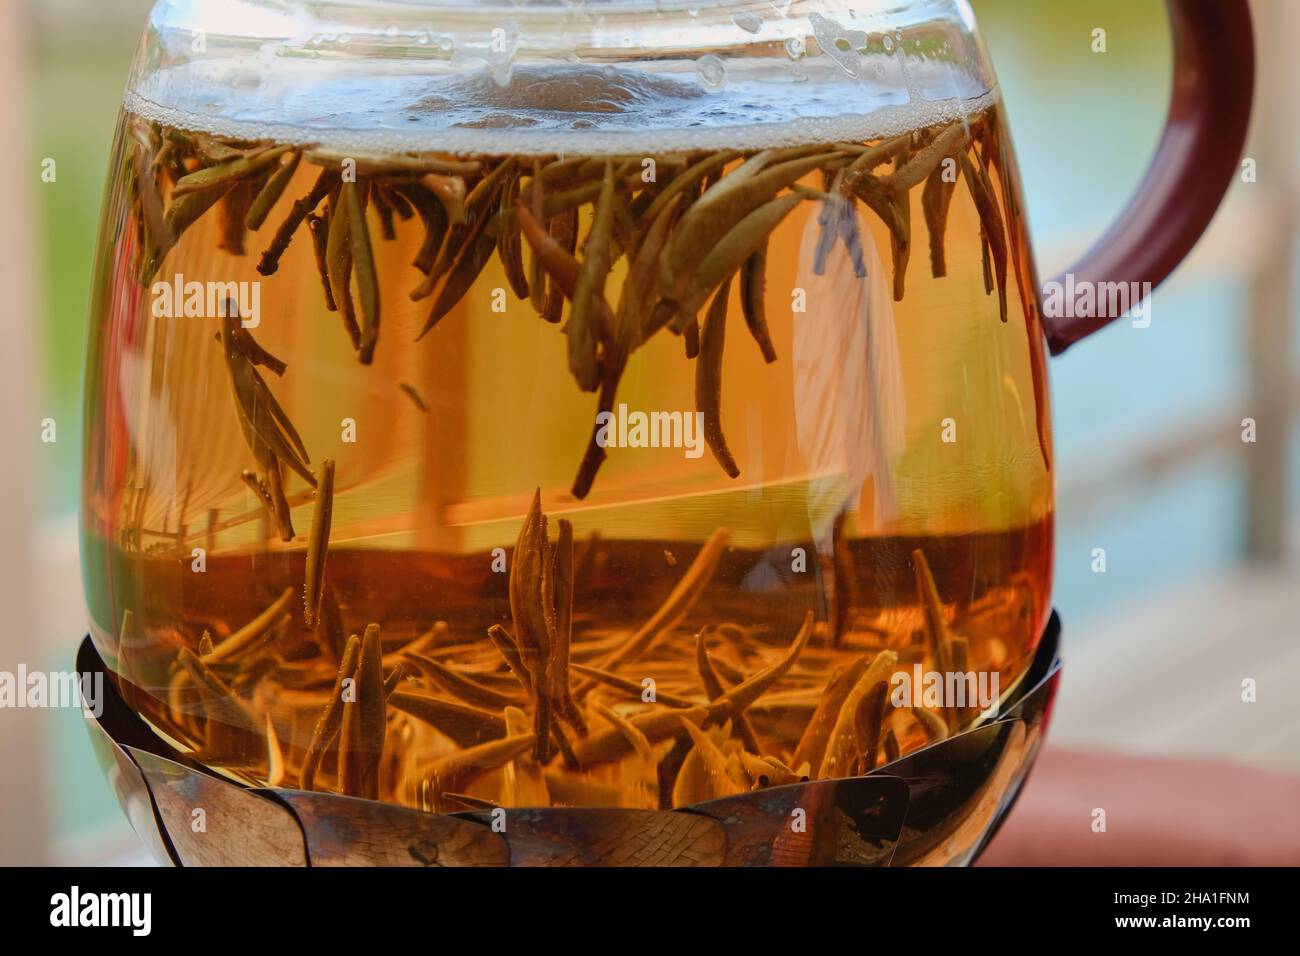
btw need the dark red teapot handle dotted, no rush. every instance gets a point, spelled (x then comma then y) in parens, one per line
(1198, 156)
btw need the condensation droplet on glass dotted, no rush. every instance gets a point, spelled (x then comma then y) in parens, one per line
(888, 43)
(794, 47)
(747, 21)
(711, 71)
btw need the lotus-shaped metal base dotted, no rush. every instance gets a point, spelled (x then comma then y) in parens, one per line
(935, 807)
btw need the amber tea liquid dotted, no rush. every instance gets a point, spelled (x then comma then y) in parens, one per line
(537, 621)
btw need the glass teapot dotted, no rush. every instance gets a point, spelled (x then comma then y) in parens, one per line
(586, 404)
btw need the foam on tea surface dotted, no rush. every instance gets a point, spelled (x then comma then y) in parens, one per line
(560, 108)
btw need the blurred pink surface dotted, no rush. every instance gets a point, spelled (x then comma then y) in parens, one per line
(1159, 812)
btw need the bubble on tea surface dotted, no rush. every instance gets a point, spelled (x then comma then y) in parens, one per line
(712, 72)
(840, 44)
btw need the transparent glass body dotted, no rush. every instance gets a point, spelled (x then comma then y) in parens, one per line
(730, 299)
